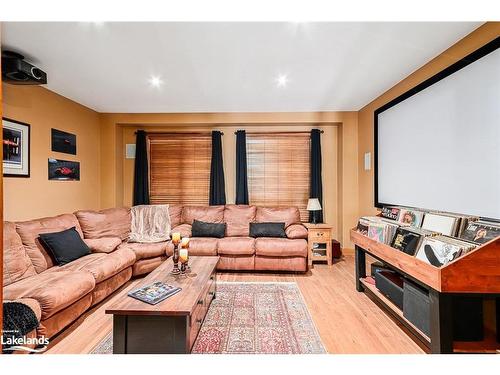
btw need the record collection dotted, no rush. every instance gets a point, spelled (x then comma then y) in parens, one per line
(434, 237)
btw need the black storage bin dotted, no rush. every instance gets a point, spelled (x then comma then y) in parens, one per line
(468, 318)
(416, 306)
(467, 313)
(390, 284)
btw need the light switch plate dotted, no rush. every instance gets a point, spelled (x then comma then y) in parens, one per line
(130, 151)
(368, 161)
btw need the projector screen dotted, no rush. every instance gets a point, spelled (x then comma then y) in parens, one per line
(438, 146)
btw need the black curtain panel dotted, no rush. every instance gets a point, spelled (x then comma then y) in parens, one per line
(217, 185)
(241, 168)
(316, 187)
(141, 178)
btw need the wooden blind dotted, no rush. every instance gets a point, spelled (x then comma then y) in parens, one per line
(278, 170)
(179, 168)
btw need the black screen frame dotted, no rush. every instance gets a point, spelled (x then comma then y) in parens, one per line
(467, 60)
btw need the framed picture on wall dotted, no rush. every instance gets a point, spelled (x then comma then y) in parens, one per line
(64, 170)
(63, 142)
(16, 148)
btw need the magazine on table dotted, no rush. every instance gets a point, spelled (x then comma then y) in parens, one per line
(154, 293)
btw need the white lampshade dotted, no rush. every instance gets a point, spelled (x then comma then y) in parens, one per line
(313, 205)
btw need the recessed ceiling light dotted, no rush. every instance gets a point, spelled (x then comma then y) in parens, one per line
(155, 81)
(282, 80)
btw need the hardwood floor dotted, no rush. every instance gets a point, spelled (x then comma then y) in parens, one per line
(347, 321)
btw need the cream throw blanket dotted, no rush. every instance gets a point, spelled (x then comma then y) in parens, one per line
(150, 223)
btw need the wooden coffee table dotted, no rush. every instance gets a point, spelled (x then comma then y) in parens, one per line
(172, 325)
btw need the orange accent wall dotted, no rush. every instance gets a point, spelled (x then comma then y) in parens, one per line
(468, 44)
(36, 196)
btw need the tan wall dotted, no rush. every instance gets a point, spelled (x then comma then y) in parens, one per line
(28, 198)
(339, 146)
(470, 43)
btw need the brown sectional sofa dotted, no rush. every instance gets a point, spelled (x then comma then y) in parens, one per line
(238, 251)
(62, 293)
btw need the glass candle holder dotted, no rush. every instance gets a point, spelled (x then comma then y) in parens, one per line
(176, 238)
(184, 250)
(175, 259)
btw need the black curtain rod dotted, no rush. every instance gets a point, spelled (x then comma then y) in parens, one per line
(166, 132)
(282, 132)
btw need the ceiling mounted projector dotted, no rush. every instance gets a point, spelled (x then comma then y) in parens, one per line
(16, 71)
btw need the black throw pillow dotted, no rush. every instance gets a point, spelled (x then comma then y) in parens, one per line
(267, 230)
(202, 229)
(65, 246)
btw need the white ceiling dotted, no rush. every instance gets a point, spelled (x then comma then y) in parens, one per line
(228, 67)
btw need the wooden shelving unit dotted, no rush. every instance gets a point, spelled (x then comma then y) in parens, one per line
(476, 273)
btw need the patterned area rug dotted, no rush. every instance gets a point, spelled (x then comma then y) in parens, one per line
(260, 318)
(253, 318)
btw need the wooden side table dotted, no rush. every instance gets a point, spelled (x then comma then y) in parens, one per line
(319, 242)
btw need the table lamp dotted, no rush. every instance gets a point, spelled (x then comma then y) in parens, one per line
(313, 205)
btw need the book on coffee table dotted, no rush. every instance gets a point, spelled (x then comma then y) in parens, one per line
(154, 293)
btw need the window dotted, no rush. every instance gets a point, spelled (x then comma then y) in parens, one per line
(278, 170)
(179, 168)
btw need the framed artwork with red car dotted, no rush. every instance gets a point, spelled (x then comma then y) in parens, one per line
(64, 170)
(16, 148)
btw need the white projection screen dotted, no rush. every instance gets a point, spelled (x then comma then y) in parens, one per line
(438, 146)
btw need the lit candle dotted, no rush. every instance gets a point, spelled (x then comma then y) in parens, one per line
(183, 255)
(185, 242)
(176, 237)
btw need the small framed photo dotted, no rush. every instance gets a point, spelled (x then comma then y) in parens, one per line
(16, 148)
(63, 142)
(64, 170)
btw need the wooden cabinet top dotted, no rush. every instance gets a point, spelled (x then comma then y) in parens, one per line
(475, 272)
(182, 303)
(318, 226)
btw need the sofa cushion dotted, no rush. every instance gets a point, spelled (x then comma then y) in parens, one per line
(295, 231)
(29, 231)
(175, 213)
(65, 246)
(16, 263)
(280, 264)
(183, 229)
(276, 230)
(289, 215)
(280, 247)
(146, 250)
(237, 218)
(54, 290)
(112, 222)
(101, 266)
(209, 214)
(103, 245)
(203, 246)
(144, 266)
(203, 229)
(236, 246)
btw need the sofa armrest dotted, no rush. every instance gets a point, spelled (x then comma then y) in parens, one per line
(103, 245)
(183, 229)
(296, 231)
